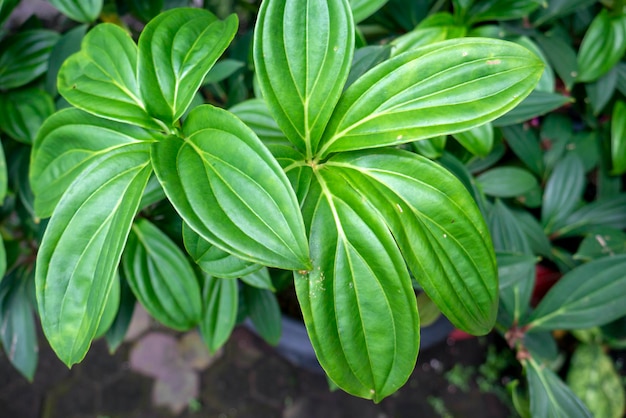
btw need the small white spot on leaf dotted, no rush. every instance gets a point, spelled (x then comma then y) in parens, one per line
(399, 207)
(494, 62)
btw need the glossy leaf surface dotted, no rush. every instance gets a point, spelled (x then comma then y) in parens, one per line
(576, 302)
(85, 11)
(618, 138)
(176, 51)
(358, 303)
(302, 54)
(506, 181)
(24, 57)
(102, 77)
(230, 190)
(23, 112)
(257, 116)
(161, 277)
(82, 246)
(220, 299)
(389, 106)
(68, 44)
(69, 142)
(563, 191)
(478, 140)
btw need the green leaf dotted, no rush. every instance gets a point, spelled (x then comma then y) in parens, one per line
(23, 112)
(6, 7)
(600, 91)
(593, 378)
(259, 278)
(111, 307)
(365, 59)
(547, 82)
(256, 115)
(587, 296)
(220, 300)
(24, 56)
(176, 51)
(18, 333)
(161, 277)
(478, 140)
(213, 260)
(222, 70)
(618, 138)
(537, 239)
(517, 279)
(229, 189)
(85, 11)
(549, 396)
(146, 10)
(264, 312)
(420, 37)
(561, 56)
(4, 180)
(302, 54)
(102, 77)
(563, 191)
(82, 246)
(362, 9)
(609, 211)
(558, 8)
(357, 301)
(69, 142)
(119, 328)
(500, 10)
(536, 104)
(506, 232)
(475, 80)
(68, 44)
(602, 47)
(525, 144)
(602, 242)
(506, 181)
(434, 221)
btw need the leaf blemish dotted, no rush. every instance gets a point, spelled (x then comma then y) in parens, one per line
(464, 53)
(399, 207)
(494, 62)
(445, 235)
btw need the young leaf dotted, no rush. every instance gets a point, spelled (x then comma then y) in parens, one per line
(212, 259)
(437, 227)
(264, 312)
(230, 190)
(549, 396)
(69, 142)
(618, 137)
(563, 191)
(102, 78)
(220, 299)
(506, 181)
(24, 57)
(602, 47)
(85, 11)
(358, 304)
(302, 54)
(474, 79)
(161, 277)
(588, 296)
(23, 112)
(176, 51)
(82, 246)
(478, 140)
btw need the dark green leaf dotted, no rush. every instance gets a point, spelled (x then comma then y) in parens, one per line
(549, 396)
(618, 138)
(220, 300)
(525, 144)
(563, 192)
(475, 80)
(478, 140)
(146, 10)
(102, 77)
(222, 70)
(602, 242)
(161, 277)
(23, 112)
(24, 57)
(506, 232)
(516, 273)
(600, 92)
(434, 221)
(302, 54)
(264, 312)
(6, 7)
(119, 328)
(587, 296)
(506, 181)
(69, 142)
(82, 246)
(537, 239)
(561, 56)
(362, 9)
(259, 278)
(229, 189)
(432, 148)
(4, 179)
(610, 211)
(68, 44)
(365, 59)
(357, 302)
(602, 47)
(85, 11)
(536, 104)
(256, 115)
(542, 347)
(213, 260)
(558, 8)
(499, 10)
(176, 51)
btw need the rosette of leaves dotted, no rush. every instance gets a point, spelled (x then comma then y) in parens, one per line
(336, 200)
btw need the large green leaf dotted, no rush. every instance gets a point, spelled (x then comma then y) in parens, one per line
(563, 191)
(85, 11)
(176, 51)
(358, 304)
(362, 9)
(102, 77)
(67, 143)
(82, 246)
(161, 277)
(602, 47)
(618, 137)
(24, 57)
(588, 296)
(463, 83)
(436, 225)
(302, 54)
(229, 189)
(220, 303)
(23, 112)
(549, 396)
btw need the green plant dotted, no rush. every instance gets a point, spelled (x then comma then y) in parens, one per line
(332, 201)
